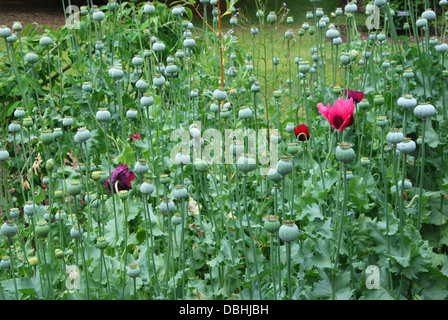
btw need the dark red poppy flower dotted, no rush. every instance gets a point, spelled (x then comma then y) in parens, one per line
(302, 132)
(121, 177)
(340, 115)
(357, 96)
(135, 136)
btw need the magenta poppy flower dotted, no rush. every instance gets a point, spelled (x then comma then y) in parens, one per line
(302, 132)
(357, 96)
(121, 175)
(135, 136)
(340, 114)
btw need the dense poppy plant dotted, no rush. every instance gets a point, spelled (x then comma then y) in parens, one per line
(357, 96)
(302, 132)
(121, 175)
(340, 114)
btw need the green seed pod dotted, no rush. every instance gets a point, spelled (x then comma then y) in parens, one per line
(141, 167)
(284, 165)
(164, 179)
(67, 121)
(272, 17)
(9, 228)
(82, 135)
(47, 137)
(394, 136)
(123, 194)
(294, 149)
(5, 263)
(147, 187)
(407, 101)
(27, 122)
(274, 176)
(133, 270)
(101, 243)
(364, 104)
(49, 165)
(406, 146)
(14, 127)
(271, 224)
(288, 231)
(29, 208)
(58, 253)
(424, 110)
(4, 155)
(344, 152)
(304, 67)
(103, 115)
(74, 188)
(246, 163)
(131, 114)
(42, 229)
(180, 192)
(14, 213)
(378, 100)
(176, 219)
(75, 232)
(245, 112)
(408, 74)
(365, 161)
(200, 165)
(382, 121)
(45, 41)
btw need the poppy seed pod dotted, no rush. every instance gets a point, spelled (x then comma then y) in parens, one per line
(14, 127)
(141, 167)
(271, 223)
(200, 165)
(147, 100)
(19, 113)
(45, 41)
(289, 231)
(101, 243)
(394, 136)
(9, 229)
(406, 146)
(75, 232)
(271, 18)
(42, 229)
(158, 46)
(4, 155)
(103, 115)
(424, 110)
(273, 175)
(284, 165)
(74, 188)
(82, 135)
(141, 85)
(407, 101)
(158, 80)
(176, 219)
(67, 121)
(219, 94)
(147, 187)
(133, 270)
(98, 15)
(131, 114)
(149, 8)
(246, 163)
(14, 213)
(167, 206)
(422, 22)
(180, 192)
(429, 15)
(137, 61)
(29, 208)
(245, 112)
(344, 152)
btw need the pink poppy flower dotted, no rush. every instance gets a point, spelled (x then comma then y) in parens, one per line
(340, 114)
